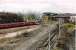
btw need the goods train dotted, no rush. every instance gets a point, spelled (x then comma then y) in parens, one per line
(11, 20)
(17, 24)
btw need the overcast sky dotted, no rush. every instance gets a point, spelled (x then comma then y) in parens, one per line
(60, 6)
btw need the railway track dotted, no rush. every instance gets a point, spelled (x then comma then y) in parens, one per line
(27, 40)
